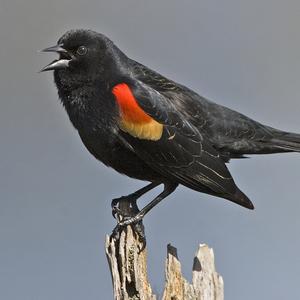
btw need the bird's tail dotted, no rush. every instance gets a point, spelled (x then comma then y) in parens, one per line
(286, 141)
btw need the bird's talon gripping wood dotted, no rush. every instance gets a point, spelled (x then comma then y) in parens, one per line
(137, 227)
(116, 212)
(131, 220)
(151, 128)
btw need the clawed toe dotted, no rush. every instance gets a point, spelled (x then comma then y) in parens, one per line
(117, 206)
(137, 227)
(117, 213)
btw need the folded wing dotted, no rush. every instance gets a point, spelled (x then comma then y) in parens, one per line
(180, 152)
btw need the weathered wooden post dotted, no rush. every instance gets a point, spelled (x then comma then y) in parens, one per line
(128, 266)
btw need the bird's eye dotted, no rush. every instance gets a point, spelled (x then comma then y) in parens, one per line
(82, 50)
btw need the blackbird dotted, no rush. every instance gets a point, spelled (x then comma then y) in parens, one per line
(151, 128)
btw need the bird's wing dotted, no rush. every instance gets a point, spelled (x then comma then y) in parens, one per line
(159, 134)
(228, 131)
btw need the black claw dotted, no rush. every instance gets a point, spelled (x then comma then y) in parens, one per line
(116, 201)
(139, 230)
(116, 212)
(131, 220)
(131, 216)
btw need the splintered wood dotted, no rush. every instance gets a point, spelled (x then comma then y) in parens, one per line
(128, 266)
(206, 284)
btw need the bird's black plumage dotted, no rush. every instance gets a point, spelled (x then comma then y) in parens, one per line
(197, 136)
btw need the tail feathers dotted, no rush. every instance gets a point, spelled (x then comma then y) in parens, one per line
(240, 198)
(287, 141)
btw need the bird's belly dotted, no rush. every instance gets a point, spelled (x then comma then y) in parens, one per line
(109, 150)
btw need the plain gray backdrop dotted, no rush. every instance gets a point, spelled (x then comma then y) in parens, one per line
(55, 197)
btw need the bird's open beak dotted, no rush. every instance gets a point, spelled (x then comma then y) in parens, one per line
(62, 62)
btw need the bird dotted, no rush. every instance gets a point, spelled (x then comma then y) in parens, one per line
(151, 128)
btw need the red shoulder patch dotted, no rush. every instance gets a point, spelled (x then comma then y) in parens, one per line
(130, 110)
(133, 119)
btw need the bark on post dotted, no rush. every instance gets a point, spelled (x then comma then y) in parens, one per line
(128, 266)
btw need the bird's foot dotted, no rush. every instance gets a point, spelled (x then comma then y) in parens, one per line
(131, 207)
(131, 220)
(126, 211)
(115, 210)
(118, 213)
(137, 226)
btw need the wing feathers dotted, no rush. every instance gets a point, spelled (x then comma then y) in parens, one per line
(181, 153)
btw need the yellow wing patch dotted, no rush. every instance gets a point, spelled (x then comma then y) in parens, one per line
(133, 119)
(146, 131)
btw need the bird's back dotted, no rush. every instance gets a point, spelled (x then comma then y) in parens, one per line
(231, 133)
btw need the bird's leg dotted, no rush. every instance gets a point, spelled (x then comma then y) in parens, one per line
(125, 208)
(168, 189)
(131, 198)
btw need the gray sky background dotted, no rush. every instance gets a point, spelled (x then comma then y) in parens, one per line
(55, 197)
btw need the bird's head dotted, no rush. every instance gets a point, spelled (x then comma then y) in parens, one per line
(84, 55)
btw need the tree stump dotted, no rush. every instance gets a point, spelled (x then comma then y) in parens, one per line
(127, 258)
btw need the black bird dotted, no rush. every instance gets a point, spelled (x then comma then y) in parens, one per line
(151, 128)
